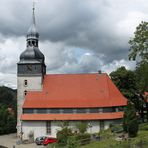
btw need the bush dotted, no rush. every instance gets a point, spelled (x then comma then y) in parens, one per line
(82, 127)
(117, 128)
(133, 128)
(105, 134)
(63, 135)
(143, 126)
(130, 121)
(83, 138)
(31, 136)
(72, 142)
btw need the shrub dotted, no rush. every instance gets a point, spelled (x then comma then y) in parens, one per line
(31, 136)
(83, 138)
(143, 126)
(130, 122)
(117, 128)
(133, 128)
(63, 135)
(72, 142)
(82, 127)
(105, 134)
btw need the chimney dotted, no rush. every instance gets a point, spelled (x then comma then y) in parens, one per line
(99, 71)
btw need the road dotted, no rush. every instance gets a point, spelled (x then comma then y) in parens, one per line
(10, 142)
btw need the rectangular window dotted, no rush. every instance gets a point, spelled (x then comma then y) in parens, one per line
(54, 111)
(27, 111)
(109, 109)
(42, 111)
(67, 110)
(48, 127)
(81, 110)
(94, 110)
(101, 125)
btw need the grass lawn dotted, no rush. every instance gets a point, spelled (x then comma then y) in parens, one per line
(140, 140)
(108, 140)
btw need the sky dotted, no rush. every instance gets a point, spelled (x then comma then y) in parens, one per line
(76, 36)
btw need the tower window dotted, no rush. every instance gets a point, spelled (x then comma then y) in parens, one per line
(25, 92)
(48, 127)
(33, 43)
(25, 83)
(29, 43)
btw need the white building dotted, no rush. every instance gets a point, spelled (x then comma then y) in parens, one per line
(46, 100)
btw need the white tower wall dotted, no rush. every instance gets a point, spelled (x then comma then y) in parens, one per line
(34, 83)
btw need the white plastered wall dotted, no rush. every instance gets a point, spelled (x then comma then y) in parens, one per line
(33, 84)
(39, 127)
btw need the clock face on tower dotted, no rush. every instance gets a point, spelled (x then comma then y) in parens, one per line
(29, 67)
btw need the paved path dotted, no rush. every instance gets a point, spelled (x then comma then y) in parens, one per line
(10, 142)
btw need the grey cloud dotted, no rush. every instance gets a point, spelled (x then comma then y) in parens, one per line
(100, 27)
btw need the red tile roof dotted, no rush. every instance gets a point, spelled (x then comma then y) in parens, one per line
(90, 116)
(75, 91)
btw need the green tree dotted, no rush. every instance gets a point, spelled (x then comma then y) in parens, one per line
(142, 76)
(130, 122)
(126, 82)
(139, 43)
(82, 127)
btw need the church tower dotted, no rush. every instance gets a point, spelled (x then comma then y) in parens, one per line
(30, 69)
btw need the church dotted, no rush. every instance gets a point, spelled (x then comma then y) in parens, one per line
(45, 101)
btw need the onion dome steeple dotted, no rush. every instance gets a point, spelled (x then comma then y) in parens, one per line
(32, 52)
(32, 32)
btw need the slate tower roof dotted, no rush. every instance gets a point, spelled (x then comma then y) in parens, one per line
(32, 54)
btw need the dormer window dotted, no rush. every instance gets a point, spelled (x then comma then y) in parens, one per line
(25, 83)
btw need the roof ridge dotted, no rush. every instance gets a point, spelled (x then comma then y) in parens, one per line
(74, 74)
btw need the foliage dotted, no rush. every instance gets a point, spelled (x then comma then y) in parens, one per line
(83, 138)
(143, 126)
(142, 76)
(31, 136)
(105, 134)
(126, 81)
(140, 141)
(72, 142)
(63, 135)
(7, 121)
(116, 128)
(130, 122)
(82, 127)
(7, 97)
(139, 43)
(133, 128)
(7, 118)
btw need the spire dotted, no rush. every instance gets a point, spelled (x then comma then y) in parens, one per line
(33, 14)
(33, 35)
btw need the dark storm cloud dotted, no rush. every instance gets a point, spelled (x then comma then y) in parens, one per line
(76, 23)
(101, 28)
(87, 24)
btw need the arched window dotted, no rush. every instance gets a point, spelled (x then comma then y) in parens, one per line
(25, 92)
(33, 43)
(29, 43)
(25, 83)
